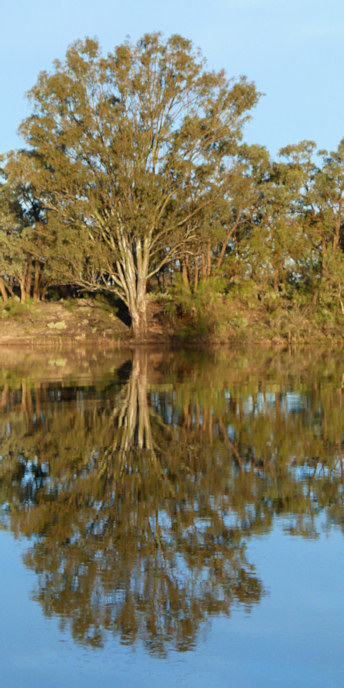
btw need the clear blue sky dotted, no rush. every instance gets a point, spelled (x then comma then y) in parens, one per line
(292, 49)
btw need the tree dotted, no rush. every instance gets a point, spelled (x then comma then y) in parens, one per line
(129, 149)
(27, 251)
(319, 203)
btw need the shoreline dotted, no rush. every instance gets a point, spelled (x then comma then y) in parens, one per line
(84, 323)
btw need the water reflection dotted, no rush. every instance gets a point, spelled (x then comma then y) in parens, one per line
(139, 494)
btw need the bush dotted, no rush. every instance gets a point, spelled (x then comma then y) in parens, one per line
(15, 309)
(196, 314)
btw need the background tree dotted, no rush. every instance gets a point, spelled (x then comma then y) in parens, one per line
(328, 208)
(29, 262)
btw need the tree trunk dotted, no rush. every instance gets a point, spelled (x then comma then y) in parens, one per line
(196, 274)
(208, 260)
(337, 226)
(276, 280)
(25, 281)
(138, 310)
(204, 271)
(22, 284)
(28, 278)
(133, 270)
(36, 284)
(43, 291)
(185, 274)
(3, 290)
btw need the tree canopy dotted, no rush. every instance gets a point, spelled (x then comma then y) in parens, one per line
(128, 150)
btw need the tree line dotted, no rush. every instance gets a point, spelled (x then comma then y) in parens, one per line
(135, 180)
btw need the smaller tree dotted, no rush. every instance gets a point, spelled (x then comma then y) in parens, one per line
(26, 255)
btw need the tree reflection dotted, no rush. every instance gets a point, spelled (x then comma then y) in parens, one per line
(139, 501)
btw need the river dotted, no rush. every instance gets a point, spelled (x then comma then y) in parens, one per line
(172, 519)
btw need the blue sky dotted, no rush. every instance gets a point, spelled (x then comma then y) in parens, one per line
(292, 49)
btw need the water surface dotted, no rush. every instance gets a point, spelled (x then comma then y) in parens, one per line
(172, 519)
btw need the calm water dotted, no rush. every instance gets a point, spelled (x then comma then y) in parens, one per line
(172, 520)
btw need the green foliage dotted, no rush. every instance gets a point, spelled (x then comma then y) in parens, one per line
(197, 315)
(16, 310)
(107, 304)
(331, 292)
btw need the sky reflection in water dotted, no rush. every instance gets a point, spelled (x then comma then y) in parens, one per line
(189, 510)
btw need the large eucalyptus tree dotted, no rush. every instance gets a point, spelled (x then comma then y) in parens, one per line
(129, 148)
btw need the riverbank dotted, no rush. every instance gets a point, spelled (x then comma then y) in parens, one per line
(68, 323)
(51, 323)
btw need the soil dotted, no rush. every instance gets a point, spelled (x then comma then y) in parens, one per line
(69, 323)
(50, 323)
